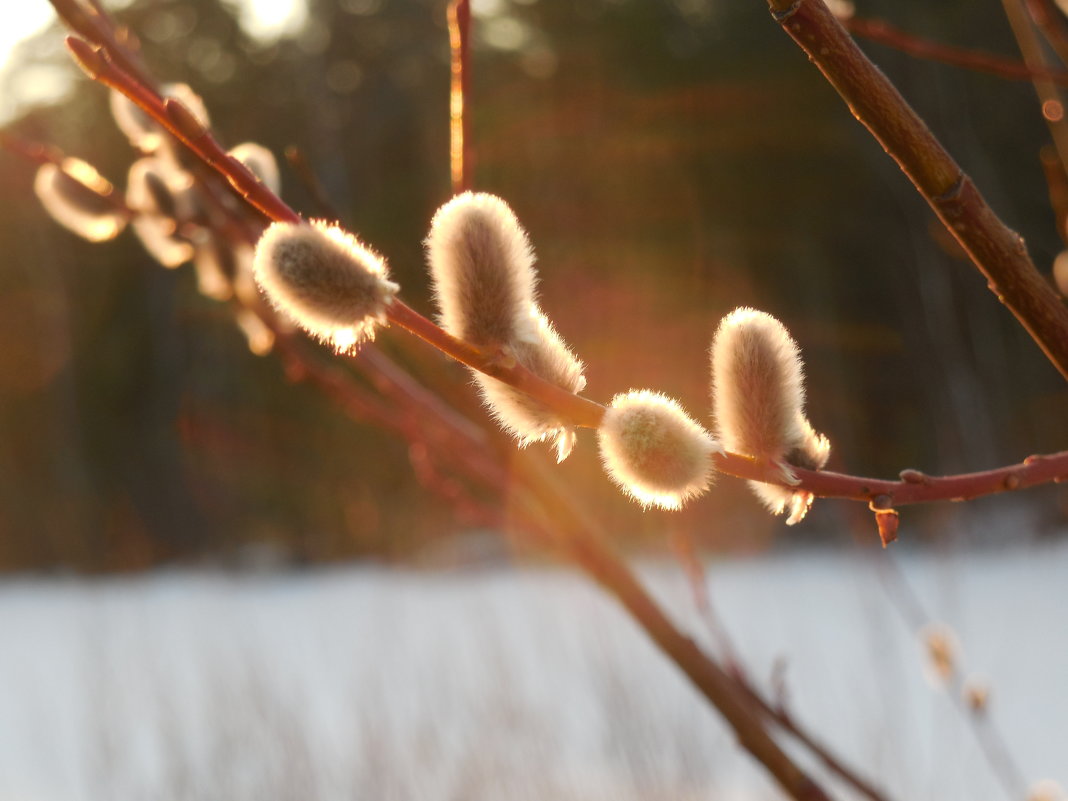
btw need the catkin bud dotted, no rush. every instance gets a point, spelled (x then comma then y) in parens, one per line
(942, 649)
(1060, 272)
(163, 198)
(1046, 790)
(482, 268)
(976, 694)
(758, 402)
(214, 265)
(654, 451)
(79, 199)
(260, 338)
(261, 163)
(323, 278)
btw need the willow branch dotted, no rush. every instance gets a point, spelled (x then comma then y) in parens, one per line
(998, 252)
(886, 34)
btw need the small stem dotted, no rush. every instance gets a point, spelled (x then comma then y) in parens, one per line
(459, 16)
(1034, 56)
(574, 409)
(886, 34)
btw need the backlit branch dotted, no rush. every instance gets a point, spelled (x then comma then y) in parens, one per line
(999, 253)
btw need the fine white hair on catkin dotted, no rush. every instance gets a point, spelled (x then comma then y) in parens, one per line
(482, 270)
(325, 280)
(261, 163)
(758, 400)
(654, 451)
(77, 197)
(544, 353)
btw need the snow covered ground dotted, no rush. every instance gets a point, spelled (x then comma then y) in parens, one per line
(381, 685)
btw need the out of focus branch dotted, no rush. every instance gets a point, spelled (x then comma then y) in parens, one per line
(884, 33)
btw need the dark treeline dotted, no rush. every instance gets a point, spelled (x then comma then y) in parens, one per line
(670, 160)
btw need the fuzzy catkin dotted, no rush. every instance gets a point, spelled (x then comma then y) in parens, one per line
(654, 451)
(482, 269)
(758, 399)
(324, 279)
(163, 198)
(79, 198)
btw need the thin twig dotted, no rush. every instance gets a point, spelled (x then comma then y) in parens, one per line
(1048, 94)
(999, 253)
(1050, 20)
(583, 540)
(995, 749)
(886, 34)
(460, 150)
(695, 574)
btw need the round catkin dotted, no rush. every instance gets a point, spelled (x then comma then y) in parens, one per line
(325, 280)
(654, 451)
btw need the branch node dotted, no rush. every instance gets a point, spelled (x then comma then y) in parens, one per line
(910, 476)
(955, 190)
(786, 13)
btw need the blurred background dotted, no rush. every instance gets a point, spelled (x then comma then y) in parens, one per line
(671, 160)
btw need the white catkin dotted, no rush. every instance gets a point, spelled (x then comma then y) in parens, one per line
(758, 402)
(544, 353)
(261, 163)
(164, 199)
(325, 280)
(482, 270)
(654, 451)
(77, 197)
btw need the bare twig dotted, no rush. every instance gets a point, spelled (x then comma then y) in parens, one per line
(460, 150)
(886, 34)
(1051, 22)
(1049, 95)
(996, 751)
(999, 253)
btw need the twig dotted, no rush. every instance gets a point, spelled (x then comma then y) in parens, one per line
(460, 150)
(1048, 94)
(999, 253)
(1057, 184)
(1050, 21)
(299, 162)
(583, 540)
(996, 751)
(886, 34)
(695, 574)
